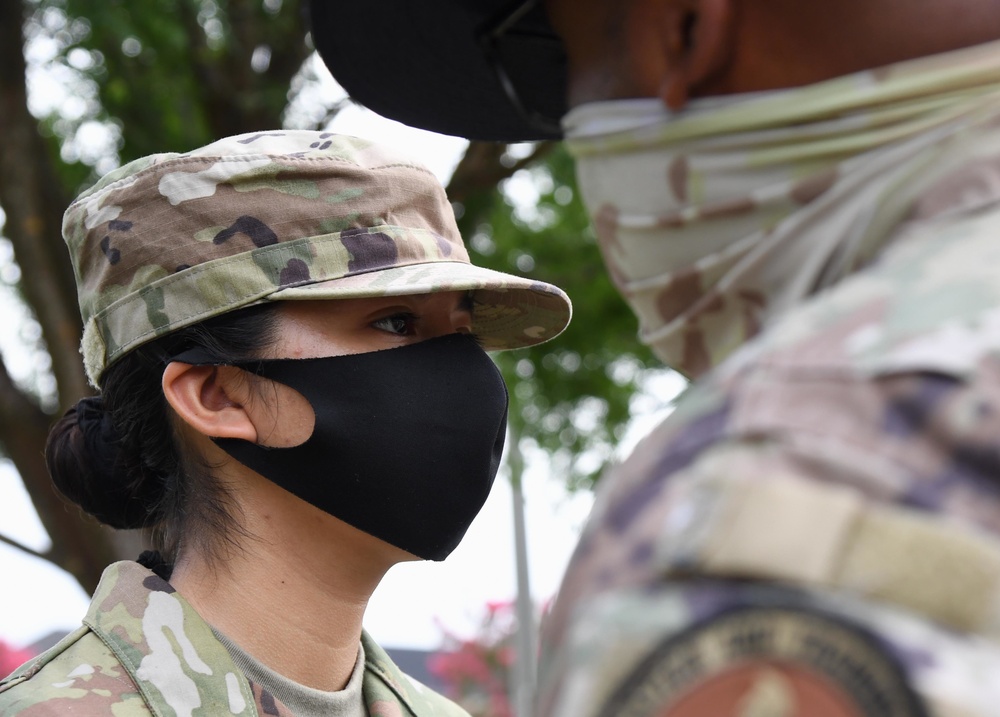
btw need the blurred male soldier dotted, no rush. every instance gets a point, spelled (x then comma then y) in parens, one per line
(813, 531)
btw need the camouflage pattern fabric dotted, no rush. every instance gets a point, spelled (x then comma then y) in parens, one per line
(717, 220)
(143, 650)
(819, 519)
(173, 239)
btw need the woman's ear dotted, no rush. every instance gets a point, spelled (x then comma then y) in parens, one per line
(696, 39)
(210, 399)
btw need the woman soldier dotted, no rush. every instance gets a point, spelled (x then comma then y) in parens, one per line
(289, 341)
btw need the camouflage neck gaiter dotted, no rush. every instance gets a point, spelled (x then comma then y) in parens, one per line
(715, 220)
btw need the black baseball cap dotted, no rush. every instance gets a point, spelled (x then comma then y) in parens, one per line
(481, 69)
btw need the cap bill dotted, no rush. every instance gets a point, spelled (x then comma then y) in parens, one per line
(509, 311)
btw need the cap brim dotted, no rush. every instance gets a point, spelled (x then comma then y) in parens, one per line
(509, 311)
(419, 62)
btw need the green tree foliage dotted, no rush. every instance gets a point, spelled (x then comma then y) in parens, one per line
(170, 75)
(570, 397)
(477, 672)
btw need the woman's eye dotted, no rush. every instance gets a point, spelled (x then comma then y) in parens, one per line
(401, 324)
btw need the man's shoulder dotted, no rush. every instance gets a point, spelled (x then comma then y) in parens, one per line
(879, 390)
(80, 675)
(931, 302)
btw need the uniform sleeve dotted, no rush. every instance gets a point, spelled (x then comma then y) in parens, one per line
(854, 513)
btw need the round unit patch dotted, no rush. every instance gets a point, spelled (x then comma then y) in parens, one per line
(767, 662)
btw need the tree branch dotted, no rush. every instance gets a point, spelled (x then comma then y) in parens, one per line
(79, 546)
(30, 196)
(24, 548)
(482, 167)
(288, 49)
(236, 98)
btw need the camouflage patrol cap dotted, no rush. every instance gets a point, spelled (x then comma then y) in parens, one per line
(170, 240)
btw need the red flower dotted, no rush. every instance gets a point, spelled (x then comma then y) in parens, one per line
(11, 659)
(477, 672)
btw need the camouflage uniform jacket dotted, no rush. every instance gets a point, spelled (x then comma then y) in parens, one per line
(820, 512)
(143, 650)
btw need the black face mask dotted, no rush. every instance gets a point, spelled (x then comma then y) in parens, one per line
(406, 442)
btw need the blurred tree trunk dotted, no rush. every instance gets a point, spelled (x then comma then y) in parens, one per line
(229, 96)
(34, 201)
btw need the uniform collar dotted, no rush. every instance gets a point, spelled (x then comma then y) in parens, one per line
(181, 668)
(169, 652)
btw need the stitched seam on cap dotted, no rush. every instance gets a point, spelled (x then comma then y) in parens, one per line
(191, 274)
(243, 158)
(242, 256)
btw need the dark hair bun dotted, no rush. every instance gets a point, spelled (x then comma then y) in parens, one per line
(86, 464)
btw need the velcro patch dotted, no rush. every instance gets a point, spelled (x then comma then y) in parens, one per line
(767, 662)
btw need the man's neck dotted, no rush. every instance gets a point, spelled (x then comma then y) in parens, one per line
(787, 43)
